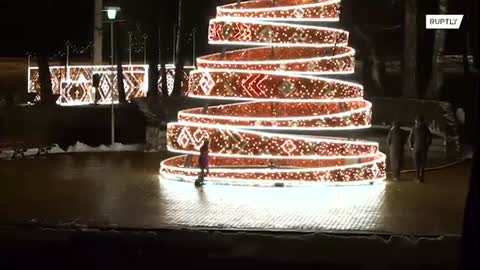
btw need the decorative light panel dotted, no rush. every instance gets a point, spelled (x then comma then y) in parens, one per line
(73, 84)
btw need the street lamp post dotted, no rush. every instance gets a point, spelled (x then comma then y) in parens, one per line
(112, 15)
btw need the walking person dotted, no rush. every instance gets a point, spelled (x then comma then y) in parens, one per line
(203, 163)
(96, 90)
(420, 140)
(396, 140)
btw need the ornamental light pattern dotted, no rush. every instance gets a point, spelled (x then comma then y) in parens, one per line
(73, 84)
(281, 88)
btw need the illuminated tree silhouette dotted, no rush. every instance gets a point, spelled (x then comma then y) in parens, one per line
(281, 90)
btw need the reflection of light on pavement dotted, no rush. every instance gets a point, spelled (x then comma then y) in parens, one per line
(311, 208)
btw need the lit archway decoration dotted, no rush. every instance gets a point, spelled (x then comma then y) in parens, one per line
(279, 94)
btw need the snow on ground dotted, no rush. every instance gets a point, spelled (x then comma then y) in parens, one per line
(117, 147)
(82, 148)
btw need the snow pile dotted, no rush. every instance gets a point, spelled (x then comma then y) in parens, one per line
(80, 148)
(55, 150)
(31, 152)
(117, 147)
(6, 154)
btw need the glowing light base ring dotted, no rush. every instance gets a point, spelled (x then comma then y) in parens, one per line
(259, 183)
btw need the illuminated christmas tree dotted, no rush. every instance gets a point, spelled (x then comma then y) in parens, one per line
(280, 86)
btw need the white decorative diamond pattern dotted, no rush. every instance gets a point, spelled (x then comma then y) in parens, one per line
(207, 83)
(375, 171)
(196, 139)
(183, 139)
(289, 147)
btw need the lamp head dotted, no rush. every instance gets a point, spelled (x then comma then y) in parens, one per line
(112, 12)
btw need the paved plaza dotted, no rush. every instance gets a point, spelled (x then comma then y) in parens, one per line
(124, 190)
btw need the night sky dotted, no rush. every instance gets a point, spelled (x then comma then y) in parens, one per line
(21, 21)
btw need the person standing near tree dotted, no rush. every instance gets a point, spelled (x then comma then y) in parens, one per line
(203, 163)
(420, 140)
(95, 88)
(395, 141)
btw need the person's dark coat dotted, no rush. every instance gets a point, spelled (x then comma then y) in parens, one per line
(96, 84)
(420, 138)
(396, 140)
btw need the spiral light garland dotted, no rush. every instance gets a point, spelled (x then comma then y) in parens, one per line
(248, 144)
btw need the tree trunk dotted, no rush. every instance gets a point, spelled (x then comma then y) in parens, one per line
(153, 60)
(410, 58)
(119, 44)
(98, 33)
(435, 84)
(46, 93)
(372, 73)
(163, 60)
(180, 57)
